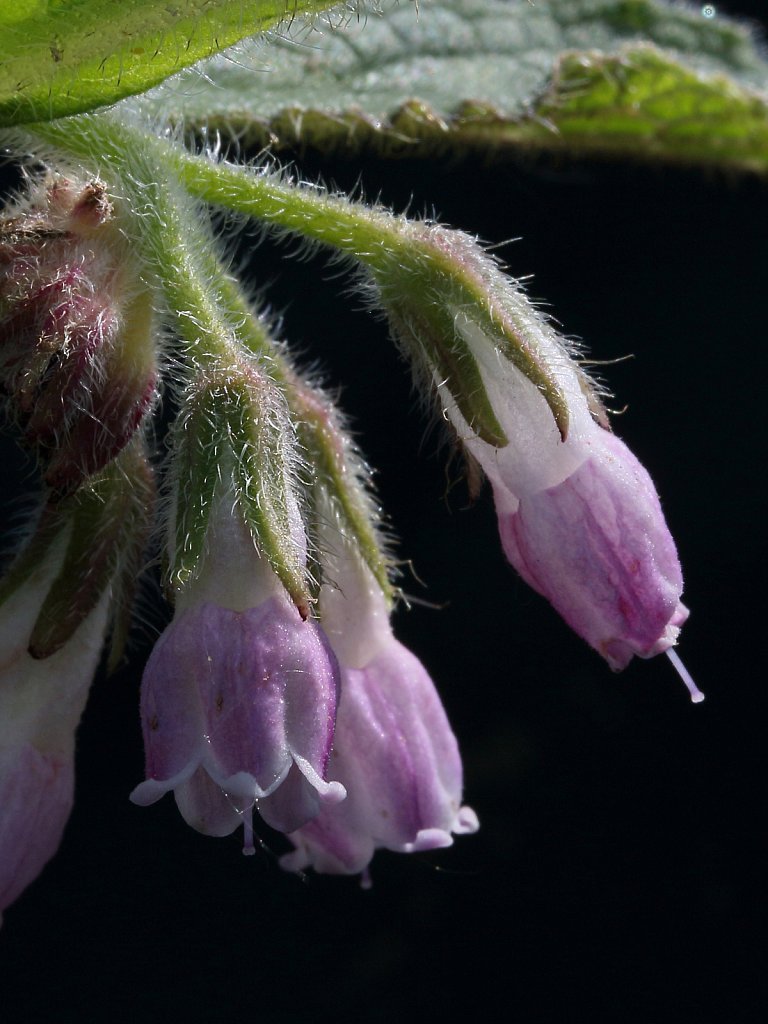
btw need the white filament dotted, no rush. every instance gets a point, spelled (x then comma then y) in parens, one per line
(696, 695)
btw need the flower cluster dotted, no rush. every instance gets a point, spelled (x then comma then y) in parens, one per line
(279, 687)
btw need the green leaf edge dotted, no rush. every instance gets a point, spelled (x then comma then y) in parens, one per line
(563, 118)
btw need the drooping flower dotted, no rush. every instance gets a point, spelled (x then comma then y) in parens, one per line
(578, 515)
(239, 696)
(76, 571)
(238, 709)
(41, 702)
(394, 750)
(597, 547)
(397, 757)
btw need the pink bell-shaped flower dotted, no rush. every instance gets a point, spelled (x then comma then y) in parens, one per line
(579, 517)
(597, 547)
(394, 752)
(238, 700)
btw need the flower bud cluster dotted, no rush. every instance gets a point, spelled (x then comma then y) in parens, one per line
(77, 364)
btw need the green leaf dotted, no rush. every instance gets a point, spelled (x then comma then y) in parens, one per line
(631, 77)
(62, 57)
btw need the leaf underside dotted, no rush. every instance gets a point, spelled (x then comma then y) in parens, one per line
(607, 77)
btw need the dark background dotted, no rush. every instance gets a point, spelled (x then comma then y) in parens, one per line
(619, 867)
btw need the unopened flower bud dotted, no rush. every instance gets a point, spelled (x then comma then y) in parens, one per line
(77, 358)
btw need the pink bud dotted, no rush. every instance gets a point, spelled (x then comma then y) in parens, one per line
(78, 362)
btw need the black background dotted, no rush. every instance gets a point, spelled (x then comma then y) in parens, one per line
(619, 866)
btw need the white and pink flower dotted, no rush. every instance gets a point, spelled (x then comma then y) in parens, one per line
(41, 702)
(394, 751)
(238, 699)
(579, 516)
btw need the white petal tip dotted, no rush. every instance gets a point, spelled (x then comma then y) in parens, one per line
(429, 839)
(148, 792)
(334, 794)
(467, 822)
(329, 792)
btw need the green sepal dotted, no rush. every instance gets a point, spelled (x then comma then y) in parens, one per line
(230, 437)
(473, 284)
(29, 559)
(429, 329)
(423, 289)
(108, 522)
(261, 484)
(200, 435)
(135, 532)
(340, 472)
